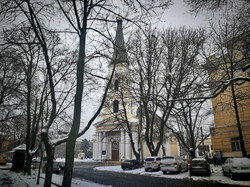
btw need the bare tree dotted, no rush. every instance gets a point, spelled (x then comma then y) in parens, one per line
(162, 73)
(11, 79)
(226, 67)
(186, 121)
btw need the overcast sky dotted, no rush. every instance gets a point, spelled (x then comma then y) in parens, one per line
(178, 15)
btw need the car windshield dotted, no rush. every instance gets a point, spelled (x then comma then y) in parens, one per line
(127, 160)
(199, 162)
(149, 159)
(241, 161)
(167, 157)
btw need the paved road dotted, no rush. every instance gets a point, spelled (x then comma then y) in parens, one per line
(115, 179)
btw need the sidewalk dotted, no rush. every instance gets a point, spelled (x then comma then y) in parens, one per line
(13, 179)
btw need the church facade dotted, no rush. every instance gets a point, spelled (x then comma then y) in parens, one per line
(111, 140)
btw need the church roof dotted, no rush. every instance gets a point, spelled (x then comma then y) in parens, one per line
(120, 53)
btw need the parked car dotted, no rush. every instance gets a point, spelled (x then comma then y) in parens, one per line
(130, 164)
(173, 164)
(152, 163)
(57, 167)
(235, 166)
(199, 166)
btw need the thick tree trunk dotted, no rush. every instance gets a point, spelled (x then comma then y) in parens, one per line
(242, 143)
(70, 145)
(49, 167)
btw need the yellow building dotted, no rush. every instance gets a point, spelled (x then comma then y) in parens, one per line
(225, 133)
(4, 148)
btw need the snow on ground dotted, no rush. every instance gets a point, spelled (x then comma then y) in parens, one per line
(13, 179)
(216, 175)
(76, 160)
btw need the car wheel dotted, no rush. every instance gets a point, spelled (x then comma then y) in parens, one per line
(186, 168)
(159, 168)
(232, 175)
(208, 173)
(164, 172)
(146, 169)
(179, 170)
(224, 173)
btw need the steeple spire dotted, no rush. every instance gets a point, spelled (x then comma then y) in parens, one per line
(120, 54)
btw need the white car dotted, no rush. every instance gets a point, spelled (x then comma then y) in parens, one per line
(152, 163)
(234, 166)
(173, 164)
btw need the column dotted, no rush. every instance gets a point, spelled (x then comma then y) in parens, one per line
(104, 145)
(98, 146)
(122, 147)
(128, 147)
(168, 147)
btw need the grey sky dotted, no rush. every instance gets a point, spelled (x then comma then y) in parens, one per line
(178, 15)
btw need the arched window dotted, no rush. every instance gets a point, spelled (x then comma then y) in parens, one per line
(116, 84)
(115, 106)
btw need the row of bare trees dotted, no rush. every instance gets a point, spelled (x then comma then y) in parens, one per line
(169, 79)
(53, 80)
(52, 73)
(165, 71)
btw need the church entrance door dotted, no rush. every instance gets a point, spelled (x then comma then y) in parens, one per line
(115, 151)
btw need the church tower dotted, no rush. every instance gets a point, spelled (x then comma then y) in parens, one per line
(111, 140)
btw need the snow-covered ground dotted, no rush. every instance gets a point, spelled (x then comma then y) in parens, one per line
(12, 179)
(20, 180)
(216, 175)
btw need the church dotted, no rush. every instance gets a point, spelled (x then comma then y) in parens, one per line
(111, 140)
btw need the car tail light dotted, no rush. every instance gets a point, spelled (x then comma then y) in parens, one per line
(206, 165)
(175, 163)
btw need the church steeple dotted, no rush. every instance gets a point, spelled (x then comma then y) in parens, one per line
(120, 54)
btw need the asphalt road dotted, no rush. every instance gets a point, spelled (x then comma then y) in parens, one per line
(115, 179)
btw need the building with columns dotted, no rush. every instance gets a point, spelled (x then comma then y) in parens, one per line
(111, 140)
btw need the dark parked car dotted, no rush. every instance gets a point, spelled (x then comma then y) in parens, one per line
(57, 167)
(199, 166)
(130, 164)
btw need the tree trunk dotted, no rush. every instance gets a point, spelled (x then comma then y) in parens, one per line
(70, 145)
(49, 167)
(242, 144)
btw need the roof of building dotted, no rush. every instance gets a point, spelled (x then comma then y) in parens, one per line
(120, 53)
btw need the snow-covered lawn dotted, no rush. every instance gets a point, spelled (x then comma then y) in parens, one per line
(216, 175)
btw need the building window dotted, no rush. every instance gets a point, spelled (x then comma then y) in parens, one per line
(235, 143)
(116, 84)
(115, 106)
